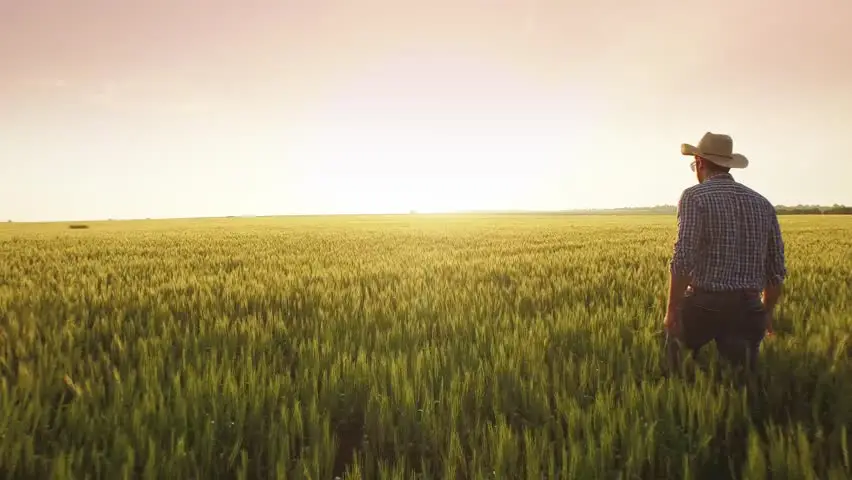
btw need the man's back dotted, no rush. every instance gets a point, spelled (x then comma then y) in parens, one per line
(729, 237)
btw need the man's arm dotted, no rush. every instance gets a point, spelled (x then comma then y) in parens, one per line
(685, 248)
(776, 270)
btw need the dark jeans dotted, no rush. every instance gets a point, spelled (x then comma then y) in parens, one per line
(736, 321)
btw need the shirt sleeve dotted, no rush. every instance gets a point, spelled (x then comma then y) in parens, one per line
(688, 235)
(776, 270)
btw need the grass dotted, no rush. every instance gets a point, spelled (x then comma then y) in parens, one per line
(459, 347)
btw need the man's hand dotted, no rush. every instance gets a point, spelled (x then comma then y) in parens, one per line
(770, 317)
(672, 323)
(677, 289)
(770, 298)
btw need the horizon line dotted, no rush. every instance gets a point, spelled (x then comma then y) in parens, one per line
(651, 210)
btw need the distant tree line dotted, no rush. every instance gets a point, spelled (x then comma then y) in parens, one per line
(780, 209)
(813, 210)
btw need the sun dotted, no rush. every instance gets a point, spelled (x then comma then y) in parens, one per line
(385, 169)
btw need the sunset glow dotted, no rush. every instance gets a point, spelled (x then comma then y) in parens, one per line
(164, 109)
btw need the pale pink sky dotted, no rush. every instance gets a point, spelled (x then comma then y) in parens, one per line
(160, 108)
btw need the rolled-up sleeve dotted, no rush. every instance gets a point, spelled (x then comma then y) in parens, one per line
(776, 269)
(688, 235)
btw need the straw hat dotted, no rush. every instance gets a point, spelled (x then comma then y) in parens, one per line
(717, 148)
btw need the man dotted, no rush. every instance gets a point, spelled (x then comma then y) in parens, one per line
(729, 252)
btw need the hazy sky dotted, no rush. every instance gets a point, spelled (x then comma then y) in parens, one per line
(160, 108)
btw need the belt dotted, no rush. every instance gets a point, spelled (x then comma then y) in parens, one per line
(739, 293)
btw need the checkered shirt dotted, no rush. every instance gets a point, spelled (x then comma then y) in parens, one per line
(728, 237)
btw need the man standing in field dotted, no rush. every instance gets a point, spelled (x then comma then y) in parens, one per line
(729, 252)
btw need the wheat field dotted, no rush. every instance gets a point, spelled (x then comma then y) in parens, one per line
(412, 346)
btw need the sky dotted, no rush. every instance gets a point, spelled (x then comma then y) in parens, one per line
(181, 108)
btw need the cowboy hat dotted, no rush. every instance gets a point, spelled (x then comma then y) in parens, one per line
(717, 148)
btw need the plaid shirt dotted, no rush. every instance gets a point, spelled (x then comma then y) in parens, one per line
(728, 237)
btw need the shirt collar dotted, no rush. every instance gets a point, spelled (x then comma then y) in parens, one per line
(721, 177)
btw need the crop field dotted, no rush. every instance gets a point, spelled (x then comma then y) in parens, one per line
(412, 346)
